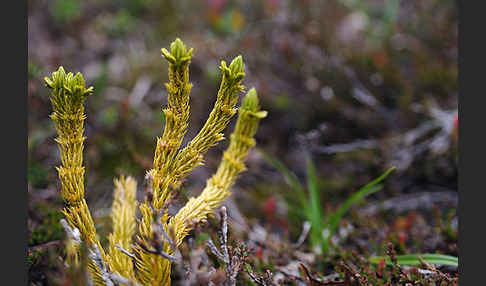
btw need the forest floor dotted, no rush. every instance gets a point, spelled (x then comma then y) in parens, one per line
(357, 88)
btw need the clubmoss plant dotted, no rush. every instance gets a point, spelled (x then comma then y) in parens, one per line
(124, 225)
(146, 260)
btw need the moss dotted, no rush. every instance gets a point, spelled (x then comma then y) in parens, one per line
(37, 176)
(50, 229)
(33, 258)
(66, 11)
(34, 71)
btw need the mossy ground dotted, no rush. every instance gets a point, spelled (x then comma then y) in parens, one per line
(358, 87)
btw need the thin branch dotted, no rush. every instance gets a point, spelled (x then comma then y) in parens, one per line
(95, 256)
(72, 233)
(223, 238)
(313, 281)
(125, 251)
(215, 251)
(122, 280)
(158, 252)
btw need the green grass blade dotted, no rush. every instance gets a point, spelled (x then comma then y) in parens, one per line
(290, 178)
(413, 259)
(316, 217)
(365, 191)
(315, 197)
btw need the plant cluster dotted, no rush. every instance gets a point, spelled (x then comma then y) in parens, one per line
(145, 258)
(310, 207)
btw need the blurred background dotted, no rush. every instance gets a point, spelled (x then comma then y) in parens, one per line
(358, 86)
